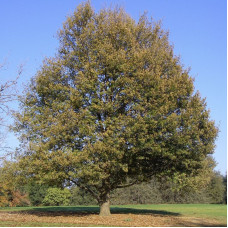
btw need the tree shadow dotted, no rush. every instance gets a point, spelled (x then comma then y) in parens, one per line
(61, 211)
(119, 210)
(83, 211)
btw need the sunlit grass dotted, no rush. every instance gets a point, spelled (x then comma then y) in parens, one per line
(217, 211)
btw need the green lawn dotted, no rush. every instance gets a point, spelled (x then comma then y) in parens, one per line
(204, 211)
(201, 210)
(216, 211)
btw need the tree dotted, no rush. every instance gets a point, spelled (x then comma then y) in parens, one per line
(144, 193)
(36, 192)
(216, 189)
(11, 191)
(9, 195)
(81, 197)
(57, 197)
(162, 191)
(115, 104)
(225, 188)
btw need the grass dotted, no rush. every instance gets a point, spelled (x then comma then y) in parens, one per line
(215, 211)
(202, 211)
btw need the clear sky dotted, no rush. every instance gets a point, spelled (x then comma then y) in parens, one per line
(198, 31)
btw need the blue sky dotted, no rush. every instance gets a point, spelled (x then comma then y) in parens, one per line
(198, 31)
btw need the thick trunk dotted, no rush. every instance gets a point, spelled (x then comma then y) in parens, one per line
(105, 206)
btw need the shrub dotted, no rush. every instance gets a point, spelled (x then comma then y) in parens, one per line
(57, 197)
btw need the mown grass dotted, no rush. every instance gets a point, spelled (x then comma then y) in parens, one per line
(215, 211)
(202, 210)
(205, 211)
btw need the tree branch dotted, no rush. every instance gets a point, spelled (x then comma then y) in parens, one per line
(127, 185)
(87, 189)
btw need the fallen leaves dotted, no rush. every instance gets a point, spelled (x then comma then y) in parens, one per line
(129, 220)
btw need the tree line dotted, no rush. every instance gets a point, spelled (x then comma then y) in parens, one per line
(14, 193)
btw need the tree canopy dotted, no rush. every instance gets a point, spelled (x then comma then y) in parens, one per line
(113, 108)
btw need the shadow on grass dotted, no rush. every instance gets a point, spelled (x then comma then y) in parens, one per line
(83, 211)
(118, 210)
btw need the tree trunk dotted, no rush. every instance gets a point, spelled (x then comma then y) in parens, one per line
(105, 206)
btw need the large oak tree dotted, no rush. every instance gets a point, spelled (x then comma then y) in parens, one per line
(113, 108)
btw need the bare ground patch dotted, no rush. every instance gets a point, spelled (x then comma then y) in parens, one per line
(132, 220)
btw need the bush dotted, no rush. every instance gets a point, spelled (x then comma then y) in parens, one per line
(57, 197)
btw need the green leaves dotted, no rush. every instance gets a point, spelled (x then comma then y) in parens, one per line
(57, 197)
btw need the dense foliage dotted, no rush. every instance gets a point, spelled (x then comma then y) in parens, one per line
(225, 184)
(36, 192)
(11, 191)
(115, 104)
(157, 191)
(57, 197)
(81, 197)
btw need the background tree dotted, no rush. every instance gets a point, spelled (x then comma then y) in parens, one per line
(9, 195)
(57, 197)
(36, 192)
(12, 192)
(225, 187)
(114, 105)
(81, 197)
(216, 189)
(144, 193)
(163, 191)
